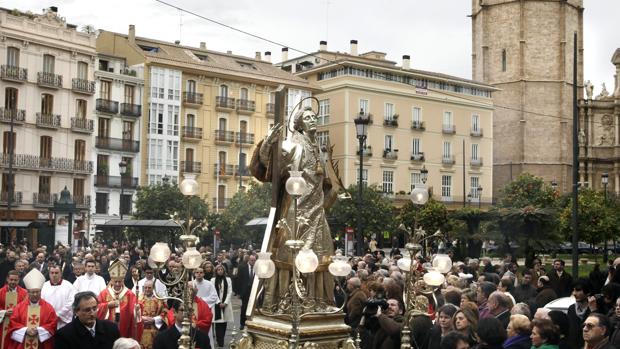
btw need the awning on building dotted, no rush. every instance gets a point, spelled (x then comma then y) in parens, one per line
(138, 223)
(15, 224)
(258, 221)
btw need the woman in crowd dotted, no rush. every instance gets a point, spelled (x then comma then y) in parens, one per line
(443, 325)
(222, 314)
(545, 335)
(518, 333)
(466, 321)
(491, 333)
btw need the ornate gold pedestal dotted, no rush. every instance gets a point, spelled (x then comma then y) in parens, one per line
(315, 331)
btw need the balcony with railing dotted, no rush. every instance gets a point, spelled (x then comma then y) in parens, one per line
(244, 171)
(245, 106)
(49, 80)
(418, 125)
(18, 115)
(390, 154)
(476, 132)
(192, 98)
(191, 133)
(419, 156)
(16, 198)
(191, 167)
(82, 201)
(390, 121)
(448, 129)
(48, 121)
(117, 144)
(270, 109)
(225, 137)
(44, 199)
(367, 151)
(82, 125)
(37, 163)
(244, 138)
(127, 182)
(83, 86)
(130, 109)
(223, 170)
(448, 160)
(224, 102)
(106, 106)
(13, 73)
(221, 203)
(475, 162)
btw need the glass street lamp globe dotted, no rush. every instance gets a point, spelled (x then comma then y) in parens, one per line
(442, 263)
(419, 195)
(339, 266)
(264, 266)
(434, 278)
(295, 184)
(404, 264)
(306, 261)
(160, 252)
(191, 259)
(189, 186)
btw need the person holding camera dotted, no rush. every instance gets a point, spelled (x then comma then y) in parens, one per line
(385, 332)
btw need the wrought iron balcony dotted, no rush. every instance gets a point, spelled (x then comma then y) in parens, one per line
(82, 125)
(246, 106)
(44, 199)
(224, 136)
(82, 201)
(270, 108)
(223, 170)
(245, 138)
(33, 162)
(475, 162)
(224, 102)
(419, 156)
(107, 106)
(130, 109)
(476, 132)
(221, 202)
(390, 154)
(190, 133)
(49, 80)
(16, 198)
(118, 144)
(245, 171)
(448, 160)
(48, 120)
(390, 122)
(367, 151)
(448, 129)
(126, 182)
(418, 125)
(18, 115)
(192, 98)
(191, 167)
(83, 86)
(13, 73)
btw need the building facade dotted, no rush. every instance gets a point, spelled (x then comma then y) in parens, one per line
(118, 131)
(206, 110)
(599, 136)
(525, 49)
(419, 120)
(48, 90)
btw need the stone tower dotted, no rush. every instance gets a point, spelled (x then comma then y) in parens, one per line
(525, 48)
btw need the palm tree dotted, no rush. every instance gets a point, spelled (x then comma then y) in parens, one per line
(472, 217)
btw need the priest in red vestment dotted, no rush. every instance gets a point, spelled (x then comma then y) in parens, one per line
(118, 304)
(153, 314)
(33, 323)
(202, 316)
(10, 295)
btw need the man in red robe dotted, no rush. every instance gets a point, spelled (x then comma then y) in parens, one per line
(153, 314)
(201, 314)
(118, 304)
(10, 295)
(33, 323)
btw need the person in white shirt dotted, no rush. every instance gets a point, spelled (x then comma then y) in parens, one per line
(206, 291)
(90, 281)
(149, 275)
(222, 314)
(59, 293)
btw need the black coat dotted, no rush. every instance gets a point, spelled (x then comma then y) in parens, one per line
(563, 286)
(245, 284)
(168, 339)
(76, 336)
(575, 326)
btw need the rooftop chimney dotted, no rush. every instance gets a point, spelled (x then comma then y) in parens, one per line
(132, 34)
(353, 47)
(54, 9)
(229, 52)
(284, 54)
(406, 62)
(177, 42)
(203, 45)
(268, 56)
(257, 56)
(323, 45)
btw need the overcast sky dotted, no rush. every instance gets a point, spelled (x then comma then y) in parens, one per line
(437, 34)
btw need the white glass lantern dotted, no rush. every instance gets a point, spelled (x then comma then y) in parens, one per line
(192, 259)
(296, 184)
(264, 266)
(404, 264)
(419, 195)
(339, 266)
(151, 263)
(434, 278)
(160, 252)
(306, 261)
(442, 263)
(189, 186)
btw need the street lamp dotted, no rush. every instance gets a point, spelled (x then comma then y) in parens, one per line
(468, 199)
(554, 185)
(361, 128)
(605, 181)
(122, 169)
(419, 194)
(479, 190)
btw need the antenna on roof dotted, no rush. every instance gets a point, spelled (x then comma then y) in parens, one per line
(180, 25)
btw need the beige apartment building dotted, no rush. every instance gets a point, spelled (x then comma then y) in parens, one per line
(46, 74)
(205, 111)
(419, 119)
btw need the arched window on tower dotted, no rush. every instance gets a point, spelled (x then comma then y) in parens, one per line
(504, 60)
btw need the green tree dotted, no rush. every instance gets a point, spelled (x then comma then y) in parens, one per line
(528, 190)
(431, 216)
(472, 218)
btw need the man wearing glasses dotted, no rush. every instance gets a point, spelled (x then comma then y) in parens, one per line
(595, 330)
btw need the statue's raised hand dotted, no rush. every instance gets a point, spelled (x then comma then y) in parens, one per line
(273, 133)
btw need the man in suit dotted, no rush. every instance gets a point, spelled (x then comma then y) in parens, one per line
(86, 331)
(356, 303)
(169, 338)
(246, 277)
(561, 281)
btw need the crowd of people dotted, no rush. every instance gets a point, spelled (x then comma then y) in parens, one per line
(108, 296)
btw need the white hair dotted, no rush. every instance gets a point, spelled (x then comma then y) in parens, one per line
(126, 343)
